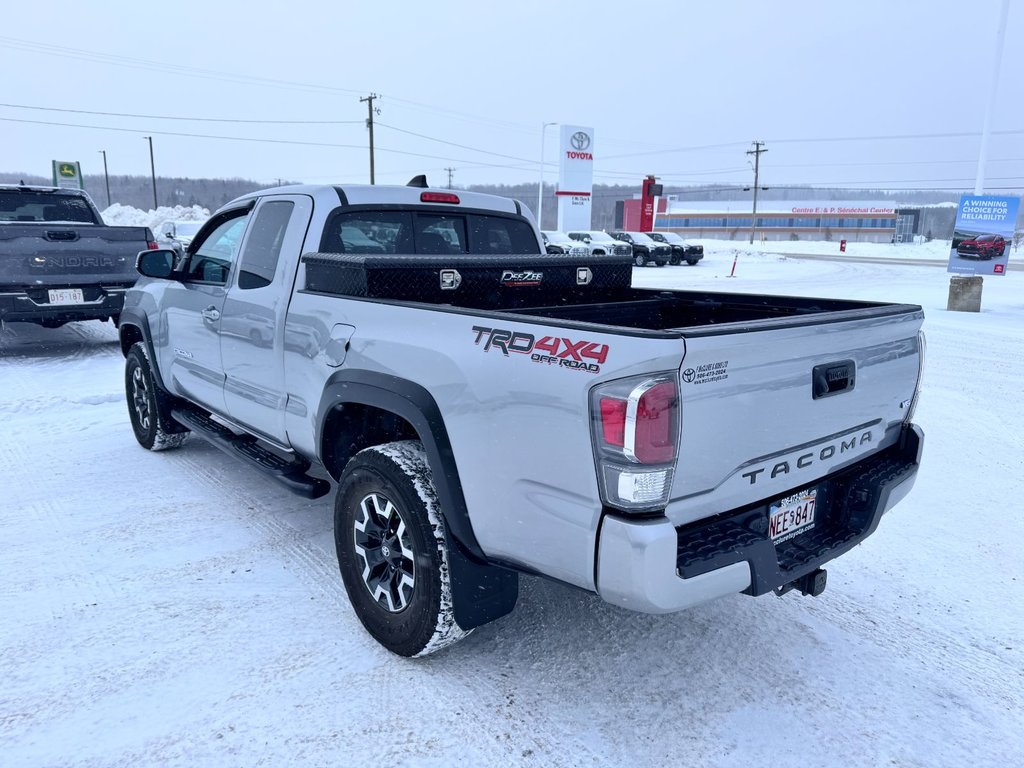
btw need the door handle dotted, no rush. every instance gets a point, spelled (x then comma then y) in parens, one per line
(211, 313)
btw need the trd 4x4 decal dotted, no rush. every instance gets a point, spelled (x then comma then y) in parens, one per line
(549, 350)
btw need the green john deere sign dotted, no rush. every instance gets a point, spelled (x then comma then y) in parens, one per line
(67, 174)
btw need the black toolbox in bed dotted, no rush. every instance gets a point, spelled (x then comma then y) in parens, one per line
(506, 280)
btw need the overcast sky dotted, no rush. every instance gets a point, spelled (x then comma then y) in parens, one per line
(678, 89)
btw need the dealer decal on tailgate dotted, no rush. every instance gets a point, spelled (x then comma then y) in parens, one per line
(550, 350)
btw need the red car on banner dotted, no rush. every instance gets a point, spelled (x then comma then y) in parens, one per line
(982, 247)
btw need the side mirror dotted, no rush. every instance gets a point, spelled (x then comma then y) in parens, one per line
(158, 263)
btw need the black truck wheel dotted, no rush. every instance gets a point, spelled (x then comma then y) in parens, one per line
(692, 262)
(640, 259)
(148, 407)
(392, 549)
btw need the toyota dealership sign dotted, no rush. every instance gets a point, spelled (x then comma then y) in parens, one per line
(575, 177)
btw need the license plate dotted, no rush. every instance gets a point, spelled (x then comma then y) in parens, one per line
(66, 296)
(791, 516)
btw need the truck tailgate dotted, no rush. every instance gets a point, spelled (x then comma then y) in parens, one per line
(72, 254)
(769, 409)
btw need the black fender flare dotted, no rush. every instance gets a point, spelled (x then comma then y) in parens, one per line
(134, 318)
(482, 591)
(417, 406)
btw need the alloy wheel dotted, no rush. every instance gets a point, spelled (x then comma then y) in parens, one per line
(384, 545)
(140, 398)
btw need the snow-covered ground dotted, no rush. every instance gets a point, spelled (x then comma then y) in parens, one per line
(936, 249)
(181, 609)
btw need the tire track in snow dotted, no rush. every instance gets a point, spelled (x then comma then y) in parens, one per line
(972, 665)
(392, 676)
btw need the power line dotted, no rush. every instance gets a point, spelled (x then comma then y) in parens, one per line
(190, 119)
(897, 136)
(293, 142)
(454, 144)
(894, 162)
(150, 65)
(696, 148)
(181, 133)
(818, 139)
(464, 116)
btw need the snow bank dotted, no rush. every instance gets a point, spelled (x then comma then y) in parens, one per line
(127, 216)
(936, 249)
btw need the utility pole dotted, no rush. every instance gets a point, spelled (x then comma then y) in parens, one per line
(369, 124)
(152, 168)
(756, 152)
(106, 176)
(450, 172)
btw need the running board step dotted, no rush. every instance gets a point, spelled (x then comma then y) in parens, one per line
(290, 473)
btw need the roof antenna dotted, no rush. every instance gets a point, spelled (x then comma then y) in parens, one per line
(418, 181)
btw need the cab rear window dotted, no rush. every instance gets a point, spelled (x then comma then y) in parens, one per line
(38, 206)
(426, 232)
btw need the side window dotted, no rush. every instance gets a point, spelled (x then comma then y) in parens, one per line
(211, 261)
(258, 262)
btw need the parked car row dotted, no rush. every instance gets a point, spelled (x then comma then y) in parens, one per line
(648, 249)
(556, 242)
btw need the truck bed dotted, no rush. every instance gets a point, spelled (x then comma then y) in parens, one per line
(694, 313)
(548, 287)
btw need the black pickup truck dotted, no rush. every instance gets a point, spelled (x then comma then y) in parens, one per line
(58, 261)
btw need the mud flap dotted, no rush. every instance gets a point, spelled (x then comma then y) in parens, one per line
(481, 593)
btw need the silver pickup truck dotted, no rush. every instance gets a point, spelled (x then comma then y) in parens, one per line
(485, 409)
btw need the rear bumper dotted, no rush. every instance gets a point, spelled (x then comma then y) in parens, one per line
(32, 305)
(653, 567)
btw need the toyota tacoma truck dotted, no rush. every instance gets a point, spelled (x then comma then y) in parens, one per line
(483, 414)
(59, 261)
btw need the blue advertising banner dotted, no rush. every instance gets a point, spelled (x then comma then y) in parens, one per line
(983, 234)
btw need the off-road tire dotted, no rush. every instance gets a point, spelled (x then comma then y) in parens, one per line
(692, 262)
(392, 549)
(639, 259)
(149, 408)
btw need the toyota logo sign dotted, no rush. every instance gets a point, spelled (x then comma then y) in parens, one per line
(580, 140)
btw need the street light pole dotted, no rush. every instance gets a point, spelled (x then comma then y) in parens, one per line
(152, 168)
(979, 180)
(106, 176)
(540, 186)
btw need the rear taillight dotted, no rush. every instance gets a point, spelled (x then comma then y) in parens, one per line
(152, 245)
(636, 432)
